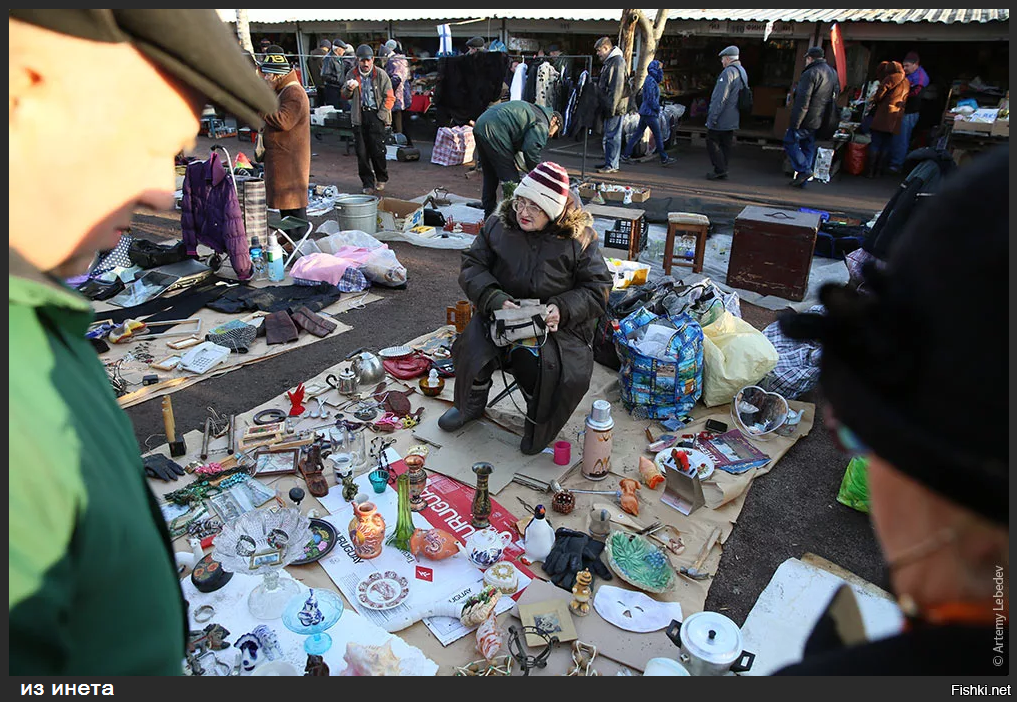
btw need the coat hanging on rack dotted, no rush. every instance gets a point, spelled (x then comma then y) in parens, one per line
(211, 213)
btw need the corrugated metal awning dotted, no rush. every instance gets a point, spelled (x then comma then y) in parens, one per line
(576, 15)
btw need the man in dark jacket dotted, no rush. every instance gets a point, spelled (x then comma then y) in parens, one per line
(612, 103)
(369, 89)
(314, 65)
(509, 138)
(724, 119)
(817, 88)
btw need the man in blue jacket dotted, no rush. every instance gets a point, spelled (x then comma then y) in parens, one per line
(919, 81)
(723, 119)
(649, 115)
(817, 87)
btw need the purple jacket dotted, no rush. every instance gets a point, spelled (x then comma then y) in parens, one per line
(212, 216)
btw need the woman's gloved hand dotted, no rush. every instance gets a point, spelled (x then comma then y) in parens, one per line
(572, 552)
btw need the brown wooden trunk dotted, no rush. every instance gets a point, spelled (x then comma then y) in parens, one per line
(771, 253)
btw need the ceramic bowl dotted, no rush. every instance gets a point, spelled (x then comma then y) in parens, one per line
(431, 390)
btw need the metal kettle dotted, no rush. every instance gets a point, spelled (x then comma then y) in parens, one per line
(366, 367)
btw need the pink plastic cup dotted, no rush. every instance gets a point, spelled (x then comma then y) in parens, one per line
(562, 453)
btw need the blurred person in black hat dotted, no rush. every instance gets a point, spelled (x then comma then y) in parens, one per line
(314, 64)
(287, 136)
(896, 363)
(89, 552)
(334, 67)
(818, 85)
(369, 90)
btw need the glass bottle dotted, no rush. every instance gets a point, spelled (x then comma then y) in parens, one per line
(418, 480)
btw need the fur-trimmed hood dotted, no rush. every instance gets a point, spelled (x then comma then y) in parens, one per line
(575, 223)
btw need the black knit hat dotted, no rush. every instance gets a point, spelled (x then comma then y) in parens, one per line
(275, 62)
(918, 370)
(816, 52)
(194, 46)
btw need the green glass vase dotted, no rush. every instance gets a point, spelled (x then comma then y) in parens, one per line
(404, 523)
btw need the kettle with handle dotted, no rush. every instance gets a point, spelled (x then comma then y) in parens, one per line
(366, 367)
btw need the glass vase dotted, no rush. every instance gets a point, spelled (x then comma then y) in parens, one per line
(404, 523)
(270, 597)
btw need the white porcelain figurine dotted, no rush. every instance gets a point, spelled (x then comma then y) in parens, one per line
(539, 536)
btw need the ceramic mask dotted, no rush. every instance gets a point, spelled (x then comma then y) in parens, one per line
(634, 611)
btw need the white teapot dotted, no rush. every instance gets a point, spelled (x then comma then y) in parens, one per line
(485, 547)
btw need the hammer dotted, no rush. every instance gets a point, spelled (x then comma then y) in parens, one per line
(177, 447)
(693, 572)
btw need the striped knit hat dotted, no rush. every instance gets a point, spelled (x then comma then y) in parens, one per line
(547, 186)
(275, 62)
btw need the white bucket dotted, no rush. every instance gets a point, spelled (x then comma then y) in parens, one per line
(358, 212)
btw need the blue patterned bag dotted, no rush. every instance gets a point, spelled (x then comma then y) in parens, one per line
(660, 387)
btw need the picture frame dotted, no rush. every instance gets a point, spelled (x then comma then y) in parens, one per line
(266, 558)
(278, 462)
(552, 617)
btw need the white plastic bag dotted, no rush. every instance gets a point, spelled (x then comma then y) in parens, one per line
(824, 160)
(735, 354)
(384, 268)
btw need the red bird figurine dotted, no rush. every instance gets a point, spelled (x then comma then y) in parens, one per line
(296, 401)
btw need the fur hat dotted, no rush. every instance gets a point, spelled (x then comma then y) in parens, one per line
(897, 362)
(547, 186)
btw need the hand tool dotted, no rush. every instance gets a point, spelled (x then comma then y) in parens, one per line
(231, 433)
(694, 571)
(205, 439)
(177, 447)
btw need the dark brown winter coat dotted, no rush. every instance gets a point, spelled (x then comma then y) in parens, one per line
(890, 99)
(288, 148)
(561, 265)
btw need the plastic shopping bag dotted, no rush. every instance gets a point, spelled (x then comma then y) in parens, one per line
(735, 354)
(854, 488)
(383, 268)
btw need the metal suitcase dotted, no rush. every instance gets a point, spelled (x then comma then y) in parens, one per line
(771, 253)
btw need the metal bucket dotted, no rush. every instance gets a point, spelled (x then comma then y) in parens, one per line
(358, 212)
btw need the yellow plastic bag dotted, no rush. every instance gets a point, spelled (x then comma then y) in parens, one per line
(735, 354)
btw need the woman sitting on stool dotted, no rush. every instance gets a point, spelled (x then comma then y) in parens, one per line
(540, 244)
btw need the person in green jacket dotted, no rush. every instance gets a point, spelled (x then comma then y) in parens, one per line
(92, 583)
(509, 137)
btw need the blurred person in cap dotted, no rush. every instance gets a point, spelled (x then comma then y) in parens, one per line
(369, 90)
(938, 478)
(287, 136)
(724, 119)
(918, 80)
(540, 245)
(315, 61)
(475, 45)
(263, 48)
(649, 115)
(510, 137)
(333, 73)
(818, 85)
(397, 66)
(89, 552)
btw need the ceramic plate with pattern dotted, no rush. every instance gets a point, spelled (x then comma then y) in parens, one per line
(382, 590)
(323, 538)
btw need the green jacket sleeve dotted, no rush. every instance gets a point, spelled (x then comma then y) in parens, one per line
(533, 144)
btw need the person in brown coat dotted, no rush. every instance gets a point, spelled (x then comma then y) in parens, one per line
(287, 138)
(888, 104)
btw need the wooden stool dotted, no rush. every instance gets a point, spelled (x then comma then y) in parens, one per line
(695, 224)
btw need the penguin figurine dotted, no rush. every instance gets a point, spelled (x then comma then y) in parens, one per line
(538, 537)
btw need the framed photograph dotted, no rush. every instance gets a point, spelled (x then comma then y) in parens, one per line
(553, 618)
(226, 506)
(276, 462)
(266, 558)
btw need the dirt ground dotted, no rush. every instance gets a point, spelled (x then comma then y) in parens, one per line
(789, 512)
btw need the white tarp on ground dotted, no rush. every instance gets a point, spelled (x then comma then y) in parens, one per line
(787, 610)
(715, 264)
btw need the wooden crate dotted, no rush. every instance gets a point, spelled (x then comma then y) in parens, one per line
(771, 252)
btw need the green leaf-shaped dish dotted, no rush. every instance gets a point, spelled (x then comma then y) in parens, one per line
(639, 562)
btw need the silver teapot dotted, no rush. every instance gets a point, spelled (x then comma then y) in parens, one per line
(366, 367)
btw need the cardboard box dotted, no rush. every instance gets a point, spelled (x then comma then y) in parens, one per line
(587, 191)
(638, 195)
(781, 122)
(972, 127)
(396, 215)
(766, 101)
(1001, 128)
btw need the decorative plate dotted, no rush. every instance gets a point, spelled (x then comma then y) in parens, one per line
(323, 538)
(395, 352)
(700, 460)
(382, 590)
(639, 562)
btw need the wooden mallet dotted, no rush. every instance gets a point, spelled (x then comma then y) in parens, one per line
(177, 447)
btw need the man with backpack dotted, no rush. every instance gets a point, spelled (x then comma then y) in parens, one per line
(815, 102)
(730, 96)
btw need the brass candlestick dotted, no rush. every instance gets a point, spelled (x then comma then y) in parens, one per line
(482, 497)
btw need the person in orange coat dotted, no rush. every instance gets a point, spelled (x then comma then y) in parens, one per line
(888, 104)
(287, 138)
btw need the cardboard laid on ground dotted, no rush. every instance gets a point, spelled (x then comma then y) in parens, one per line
(796, 597)
(430, 581)
(397, 218)
(133, 370)
(725, 500)
(231, 612)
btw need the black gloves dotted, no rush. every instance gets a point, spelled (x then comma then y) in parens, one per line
(572, 552)
(162, 468)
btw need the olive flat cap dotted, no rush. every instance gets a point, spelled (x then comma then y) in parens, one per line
(193, 46)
